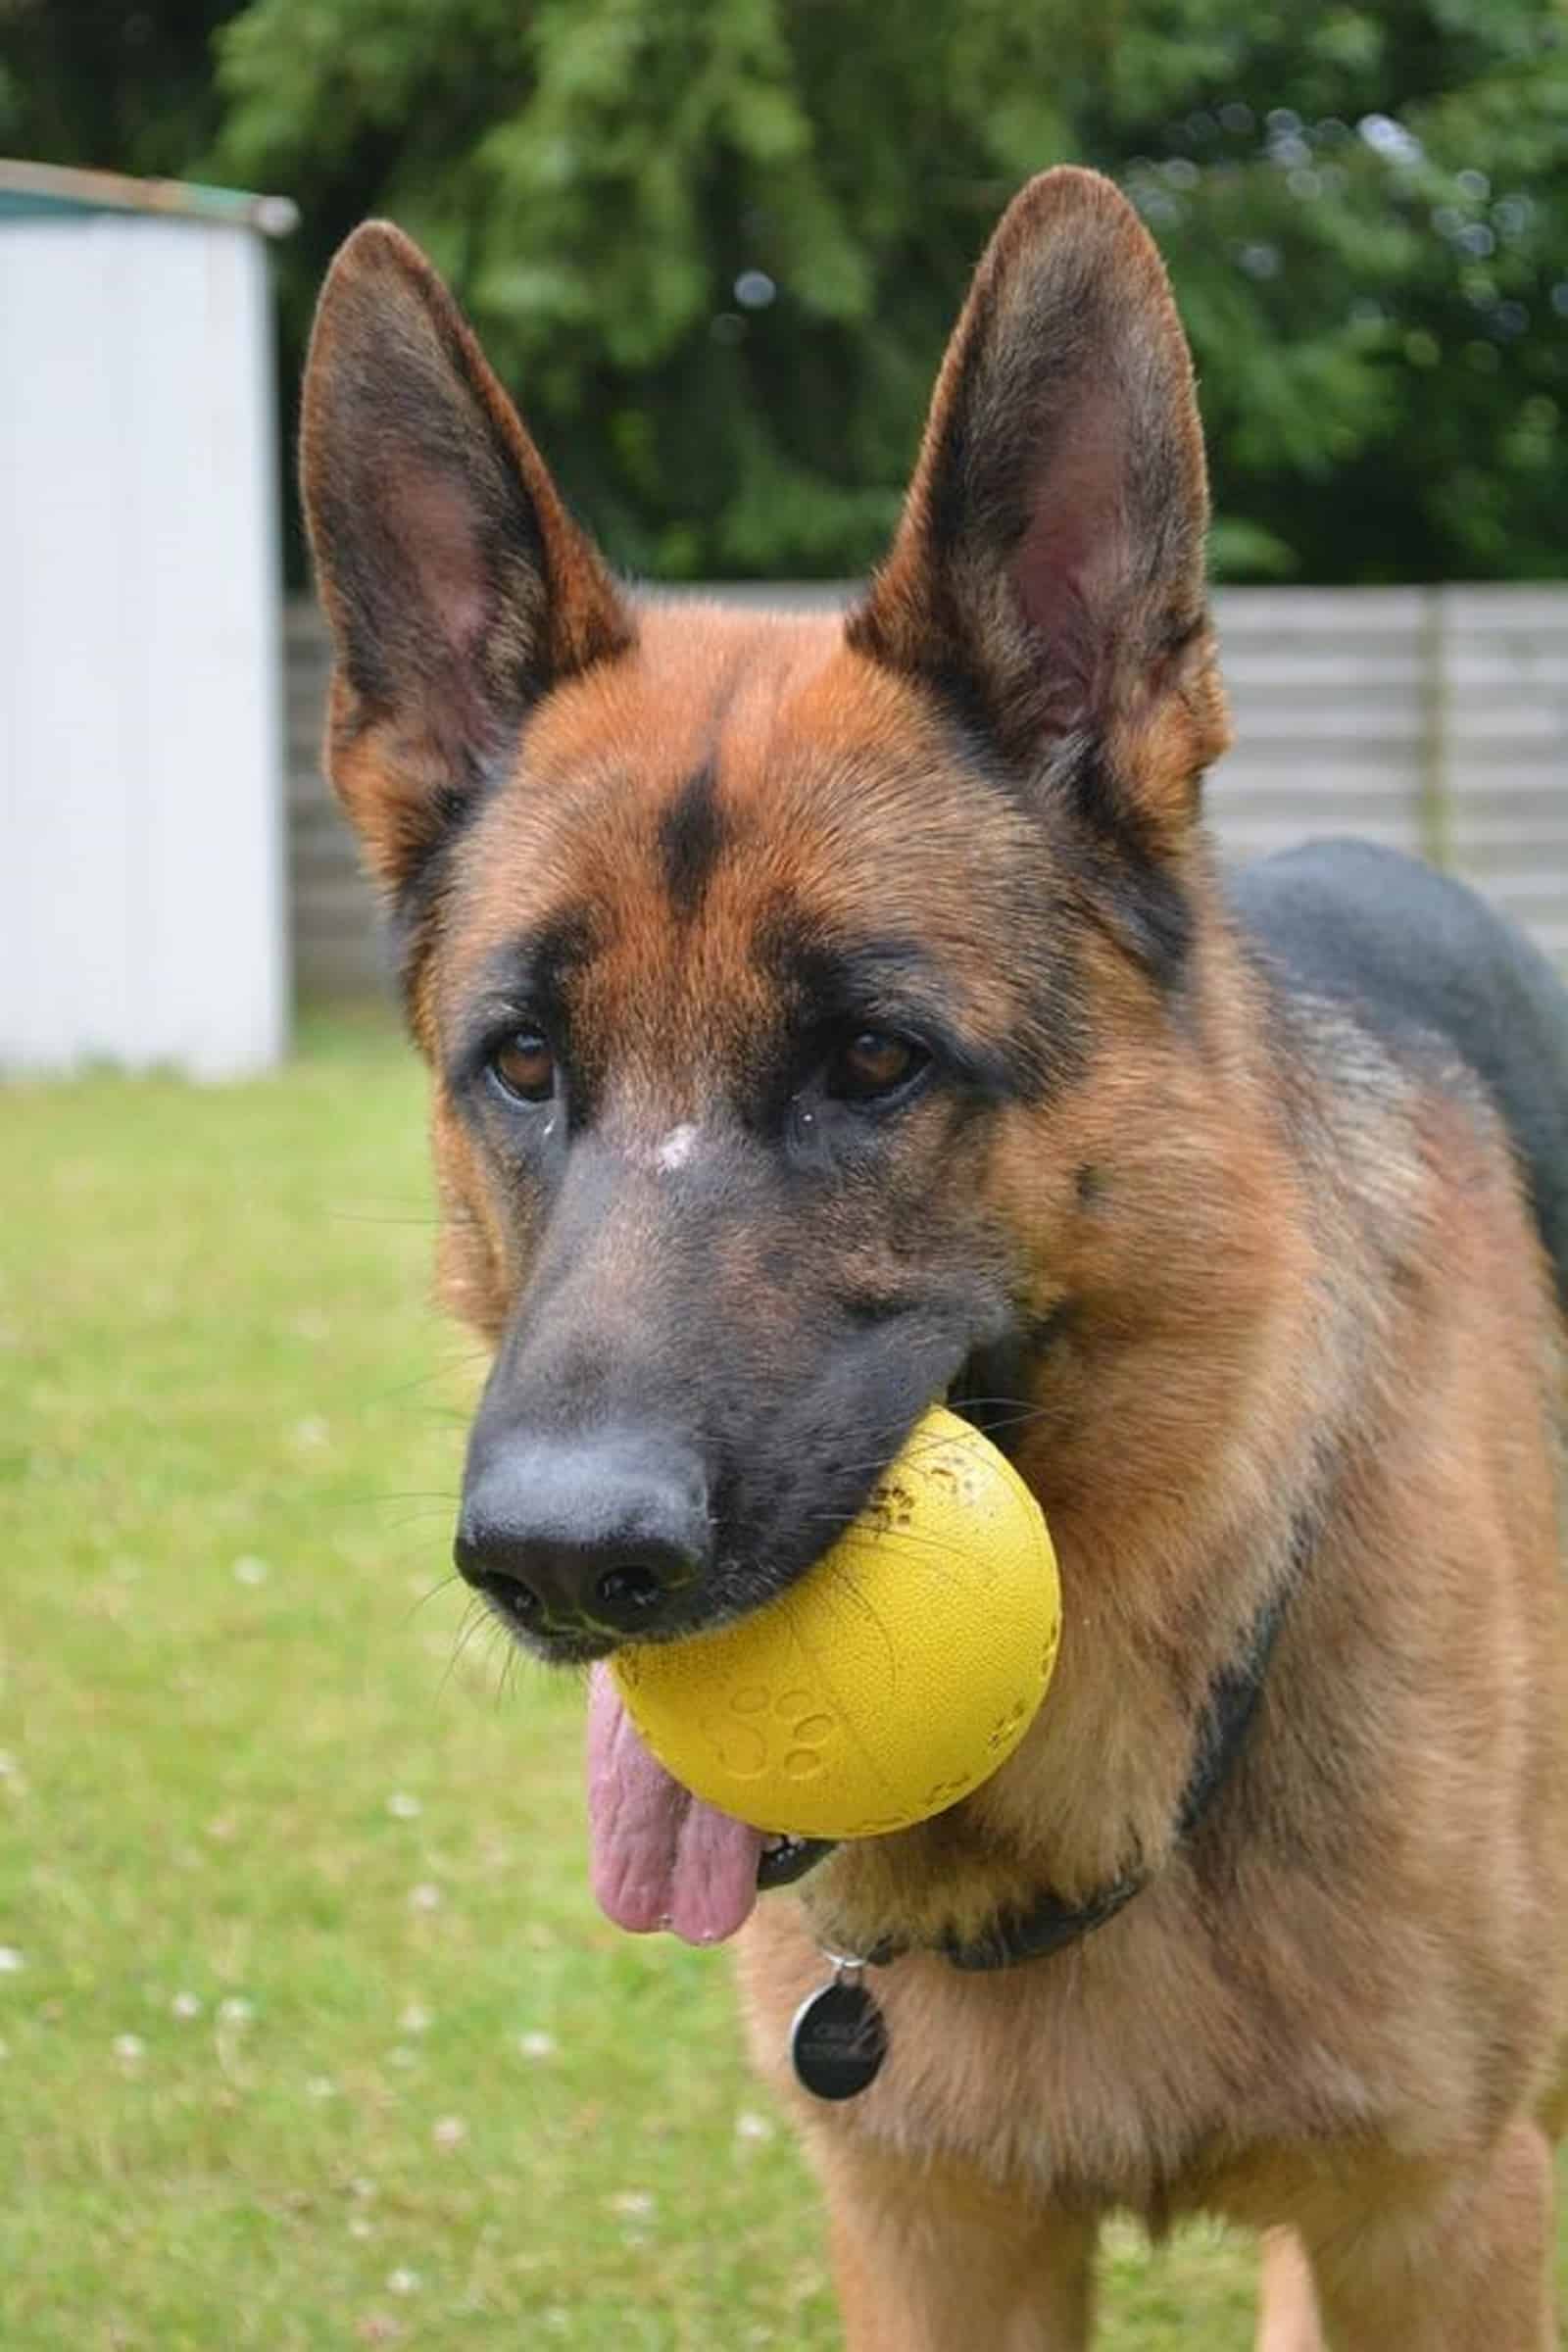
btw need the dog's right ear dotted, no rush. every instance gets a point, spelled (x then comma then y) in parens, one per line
(1046, 580)
(457, 587)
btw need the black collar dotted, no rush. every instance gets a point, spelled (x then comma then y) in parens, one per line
(1222, 1731)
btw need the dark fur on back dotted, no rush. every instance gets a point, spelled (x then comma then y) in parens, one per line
(1416, 956)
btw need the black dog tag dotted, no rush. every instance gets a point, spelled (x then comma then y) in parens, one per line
(840, 2037)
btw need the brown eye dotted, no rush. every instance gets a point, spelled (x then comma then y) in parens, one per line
(524, 1067)
(873, 1063)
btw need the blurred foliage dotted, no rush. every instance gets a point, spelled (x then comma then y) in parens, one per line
(715, 245)
(116, 89)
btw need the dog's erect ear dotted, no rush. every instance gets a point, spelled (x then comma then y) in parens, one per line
(1047, 573)
(457, 588)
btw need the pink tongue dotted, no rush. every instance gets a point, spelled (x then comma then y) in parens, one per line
(662, 1858)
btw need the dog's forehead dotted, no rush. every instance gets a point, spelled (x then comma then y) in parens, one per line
(736, 773)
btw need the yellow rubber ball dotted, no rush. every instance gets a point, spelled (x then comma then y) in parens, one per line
(890, 1679)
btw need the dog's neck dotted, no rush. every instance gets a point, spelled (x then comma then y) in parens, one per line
(868, 1912)
(1052, 1924)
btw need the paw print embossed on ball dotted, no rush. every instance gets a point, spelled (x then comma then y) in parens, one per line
(755, 1736)
(892, 1679)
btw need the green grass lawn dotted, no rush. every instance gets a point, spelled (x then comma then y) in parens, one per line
(309, 2033)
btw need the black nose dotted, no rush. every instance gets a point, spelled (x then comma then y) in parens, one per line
(598, 1535)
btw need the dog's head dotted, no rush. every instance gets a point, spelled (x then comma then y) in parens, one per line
(762, 964)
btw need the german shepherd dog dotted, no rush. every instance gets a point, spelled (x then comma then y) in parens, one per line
(828, 1016)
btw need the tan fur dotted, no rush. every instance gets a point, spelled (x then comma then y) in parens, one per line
(1298, 1283)
(1413, 2005)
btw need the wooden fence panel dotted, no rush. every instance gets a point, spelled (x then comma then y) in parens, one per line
(1434, 720)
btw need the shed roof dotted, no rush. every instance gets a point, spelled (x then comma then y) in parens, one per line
(41, 191)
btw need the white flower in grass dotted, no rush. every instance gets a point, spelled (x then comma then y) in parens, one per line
(320, 2087)
(11, 1962)
(403, 2283)
(633, 2204)
(416, 2019)
(449, 2131)
(424, 1897)
(751, 2125)
(236, 2010)
(537, 2045)
(129, 2048)
(360, 2226)
(249, 1569)
(187, 2004)
(404, 1807)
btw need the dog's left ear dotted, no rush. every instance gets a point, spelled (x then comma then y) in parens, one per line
(457, 588)
(1047, 573)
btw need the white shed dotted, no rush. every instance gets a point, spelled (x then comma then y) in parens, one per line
(141, 763)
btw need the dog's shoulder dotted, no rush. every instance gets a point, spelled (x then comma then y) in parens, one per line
(1418, 958)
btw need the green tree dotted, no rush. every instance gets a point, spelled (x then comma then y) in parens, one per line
(119, 90)
(1365, 210)
(715, 245)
